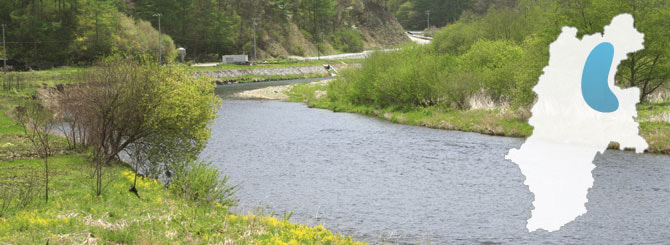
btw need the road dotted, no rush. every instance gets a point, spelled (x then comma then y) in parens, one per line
(412, 35)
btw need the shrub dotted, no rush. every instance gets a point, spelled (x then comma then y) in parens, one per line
(402, 78)
(139, 38)
(200, 181)
(493, 65)
(348, 40)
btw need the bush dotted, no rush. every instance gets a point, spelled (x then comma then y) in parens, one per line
(421, 76)
(138, 38)
(494, 65)
(402, 78)
(200, 181)
(348, 40)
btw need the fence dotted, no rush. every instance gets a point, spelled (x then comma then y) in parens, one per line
(12, 81)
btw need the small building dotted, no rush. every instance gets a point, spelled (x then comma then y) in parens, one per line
(235, 59)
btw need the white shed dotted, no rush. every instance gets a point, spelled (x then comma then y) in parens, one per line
(232, 59)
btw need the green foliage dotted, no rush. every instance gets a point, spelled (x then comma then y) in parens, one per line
(50, 33)
(500, 52)
(404, 78)
(412, 13)
(139, 39)
(203, 182)
(157, 216)
(419, 76)
(493, 66)
(348, 41)
(124, 102)
(54, 32)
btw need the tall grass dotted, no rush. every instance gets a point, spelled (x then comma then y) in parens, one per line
(418, 76)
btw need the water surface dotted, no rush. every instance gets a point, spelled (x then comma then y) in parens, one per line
(379, 181)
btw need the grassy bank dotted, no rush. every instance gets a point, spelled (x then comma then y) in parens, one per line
(653, 117)
(74, 214)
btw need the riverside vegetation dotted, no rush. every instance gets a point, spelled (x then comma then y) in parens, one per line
(158, 116)
(478, 73)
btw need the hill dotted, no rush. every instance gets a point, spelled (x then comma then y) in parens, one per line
(48, 33)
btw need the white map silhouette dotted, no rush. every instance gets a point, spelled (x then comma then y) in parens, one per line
(557, 158)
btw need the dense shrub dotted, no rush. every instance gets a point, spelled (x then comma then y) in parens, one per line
(348, 40)
(403, 78)
(200, 181)
(493, 65)
(419, 76)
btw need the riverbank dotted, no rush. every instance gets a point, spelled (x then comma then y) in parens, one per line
(272, 70)
(275, 92)
(653, 118)
(74, 214)
(229, 76)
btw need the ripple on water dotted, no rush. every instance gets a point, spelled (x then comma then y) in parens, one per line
(380, 181)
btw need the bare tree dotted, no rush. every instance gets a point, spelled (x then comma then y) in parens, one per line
(70, 116)
(38, 122)
(112, 112)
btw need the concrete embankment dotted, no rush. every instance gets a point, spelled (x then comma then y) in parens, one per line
(278, 71)
(273, 92)
(223, 75)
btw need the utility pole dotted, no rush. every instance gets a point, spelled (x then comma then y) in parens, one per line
(255, 26)
(4, 50)
(318, 51)
(160, 51)
(428, 14)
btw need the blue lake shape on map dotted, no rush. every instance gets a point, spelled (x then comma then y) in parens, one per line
(595, 89)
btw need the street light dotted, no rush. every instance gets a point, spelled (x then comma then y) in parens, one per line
(160, 51)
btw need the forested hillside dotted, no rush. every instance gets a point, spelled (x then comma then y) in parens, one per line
(412, 14)
(47, 33)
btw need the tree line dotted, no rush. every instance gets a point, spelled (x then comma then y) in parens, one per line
(414, 14)
(47, 33)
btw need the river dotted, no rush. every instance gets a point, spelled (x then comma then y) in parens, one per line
(379, 181)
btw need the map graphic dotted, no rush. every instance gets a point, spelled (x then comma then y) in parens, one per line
(578, 112)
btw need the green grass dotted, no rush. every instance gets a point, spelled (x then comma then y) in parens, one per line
(9, 126)
(13, 142)
(513, 123)
(654, 125)
(74, 214)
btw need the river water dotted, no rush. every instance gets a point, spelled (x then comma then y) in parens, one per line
(384, 182)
